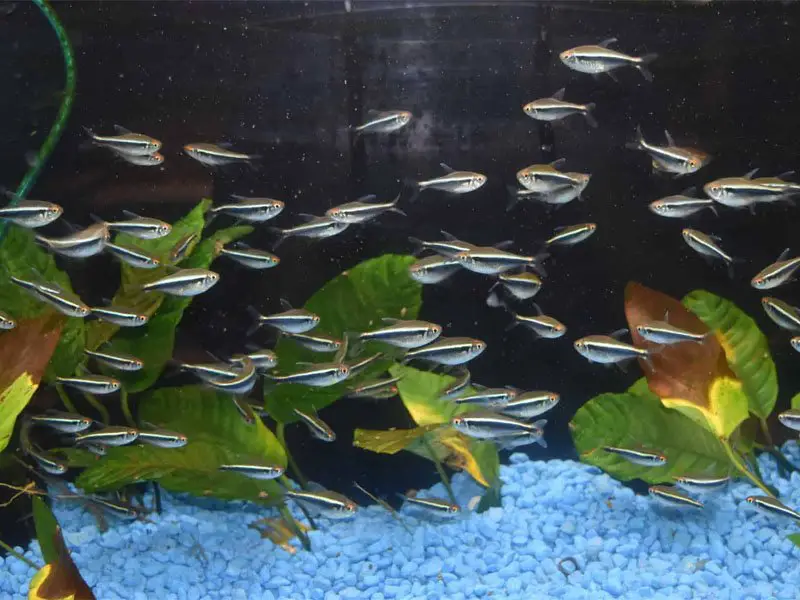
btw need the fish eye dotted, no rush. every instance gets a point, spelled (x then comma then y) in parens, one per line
(453, 509)
(140, 318)
(640, 329)
(750, 499)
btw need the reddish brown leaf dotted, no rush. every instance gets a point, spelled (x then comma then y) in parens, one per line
(683, 370)
(28, 347)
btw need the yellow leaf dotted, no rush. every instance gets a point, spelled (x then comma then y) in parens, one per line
(12, 400)
(388, 442)
(727, 407)
(458, 451)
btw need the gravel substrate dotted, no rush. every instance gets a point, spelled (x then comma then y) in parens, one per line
(624, 546)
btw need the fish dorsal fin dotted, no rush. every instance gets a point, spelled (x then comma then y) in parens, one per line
(618, 333)
(666, 316)
(784, 255)
(122, 130)
(504, 245)
(367, 198)
(558, 163)
(559, 94)
(226, 145)
(129, 214)
(607, 42)
(670, 141)
(478, 386)
(714, 237)
(285, 304)
(538, 309)
(341, 353)
(447, 168)
(390, 320)
(313, 486)
(786, 174)
(448, 236)
(690, 191)
(95, 218)
(558, 228)
(242, 245)
(372, 113)
(749, 174)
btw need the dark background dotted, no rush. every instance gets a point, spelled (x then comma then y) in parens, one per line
(286, 79)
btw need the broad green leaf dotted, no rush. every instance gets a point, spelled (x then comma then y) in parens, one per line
(354, 301)
(796, 401)
(388, 442)
(153, 343)
(21, 256)
(726, 410)
(217, 435)
(46, 525)
(60, 579)
(629, 421)
(130, 294)
(794, 538)
(746, 348)
(12, 400)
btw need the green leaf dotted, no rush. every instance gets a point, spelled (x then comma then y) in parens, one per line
(154, 342)
(388, 442)
(421, 392)
(746, 348)
(12, 400)
(796, 401)
(641, 421)
(46, 525)
(21, 256)
(354, 301)
(217, 435)
(794, 538)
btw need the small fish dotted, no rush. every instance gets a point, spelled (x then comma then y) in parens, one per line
(384, 121)
(122, 510)
(143, 228)
(245, 410)
(126, 142)
(210, 371)
(701, 484)
(671, 158)
(114, 435)
(744, 192)
(184, 282)
(144, 160)
(316, 228)
(795, 342)
(63, 301)
(523, 438)
(116, 360)
(643, 458)
(263, 358)
(91, 384)
(555, 109)
(404, 334)
(453, 182)
(62, 421)
(31, 213)
(790, 418)
(122, 317)
(770, 506)
(542, 325)
(788, 187)
(243, 382)
(96, 449)
(706, 245)
(213, 155)
(357, 367)
(83, 244)
(433, 269)
(6, 323)
(319, 429)
(523, 285)
(46, 462)
(162, 438)
(182, 248)
(291, 320)
(326, 503)
(448, 247)
(133, 257)
(316, 342)
(489, 260)
(462, 379)
(558, 196)
(261, 472)
(681, 206)
(488, 397)
(251, 258)
(362, 210)
(661, 332)
(547, 178)
(601, 59)
(448, 351)
(528, 405)
(668, 496)
(605, 349)
(572, 234)
(318, 375)
(783, 314)
(486, 425)
(253, 210)
(378, 389)
(436, 506)
(780, 272)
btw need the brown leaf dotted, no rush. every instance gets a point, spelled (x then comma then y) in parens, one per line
(683, 370)
(63, 580)
(28, 347)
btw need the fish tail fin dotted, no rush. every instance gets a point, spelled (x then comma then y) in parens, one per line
(642, 65)
(415, 187)
(420, 245)
(513, 197)
(541, 441)
(494, 300)
(588, 114)
(256, 316)
(282, 235)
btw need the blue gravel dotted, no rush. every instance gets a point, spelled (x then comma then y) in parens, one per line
(622, 545)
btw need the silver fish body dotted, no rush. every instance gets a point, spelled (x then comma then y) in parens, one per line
(62, 422)
(143, 228)
(556, 108)
(260, 472)
(82, 244)
(251, 258)
(528, 405)
(116, 360)
(790, 418)
(770, 506)
(65, 302)
(318, 375)
(778, 273)
(162, 438)
(127, 142)
(671, 498)
(143, 160)
(91, 384)
(660, 332)
(210, 371)
(671, 158)
(316, 342)
(436, 506)
(454, 182)
(264, 359)
(523, 438)
(361, 211)
(6, 322)
(46, 462)
(133, 257)
(606, 350)
(380, 388)
(643, 458)
(318, 428)
(544, 326)
(523, 286)
(31, 213)
(122, 317)
(404, 334)
(292, 320)
(547, 178)
(363, 363)
(253, 210)
(325, 503)
(448, 351)
(596, 59)
(782, 313)
(109, 436)
(462, 380)
(795, 343)
(244, 381)
(184, 282)
(743, 192)
(486, 425)
(384, 121)
(433, 269)
(680, 206)
(572, 234)
(213, 155)
(701, 484)
(706, 245)
(493, 398)
(316, 228)
(493, 261)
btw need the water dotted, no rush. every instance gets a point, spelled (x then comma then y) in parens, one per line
(285, 80)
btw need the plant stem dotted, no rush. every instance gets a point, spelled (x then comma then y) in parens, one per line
(284, 480)
(739, 464)
(287, 516)
(157, 498)
(281, 434)
(126, 408)
(62, 393)
(765, 431)
(439, 469)
(105, 418)
(19, 556)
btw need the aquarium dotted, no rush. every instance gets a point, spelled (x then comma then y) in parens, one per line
(371, 299)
